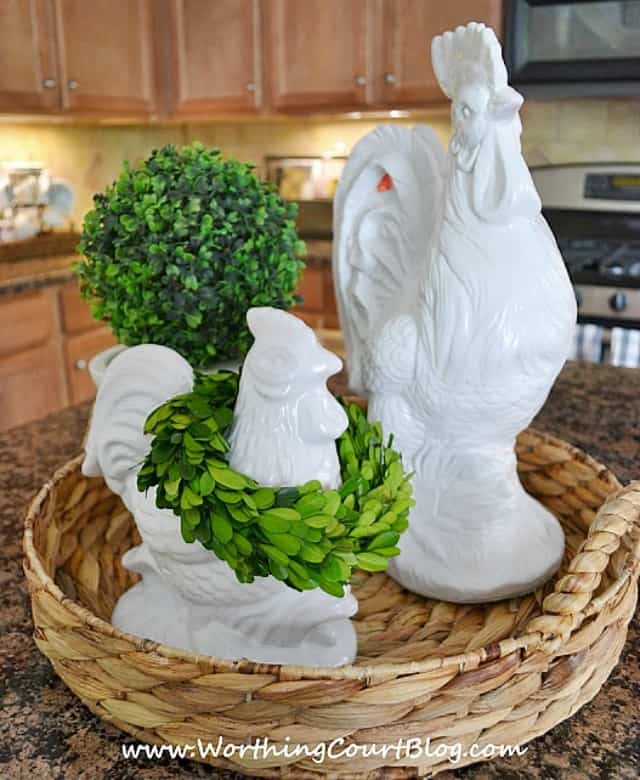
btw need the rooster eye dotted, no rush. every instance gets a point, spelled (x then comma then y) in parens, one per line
(466, 111)
(277, 359)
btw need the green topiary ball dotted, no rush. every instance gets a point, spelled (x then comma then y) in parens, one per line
(178, 249)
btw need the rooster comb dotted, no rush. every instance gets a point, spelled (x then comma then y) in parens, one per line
(469, 53)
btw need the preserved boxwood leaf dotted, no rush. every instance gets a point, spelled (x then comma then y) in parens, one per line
(222, 528)
(207, 484)
(286, 542)
(370, 561)
(284, 514)
(264, 497)
(227, 478)
(274, 523)
(275, 554)
(385, 539)
(319, 521)
(311, 504)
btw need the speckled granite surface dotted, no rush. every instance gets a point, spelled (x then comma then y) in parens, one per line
(46, 733)
(19, 275)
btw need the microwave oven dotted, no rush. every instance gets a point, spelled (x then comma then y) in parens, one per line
(579, 48)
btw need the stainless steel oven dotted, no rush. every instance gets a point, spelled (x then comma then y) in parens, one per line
(584, 47)
(594, 212)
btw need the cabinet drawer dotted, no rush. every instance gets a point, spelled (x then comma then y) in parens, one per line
(26, 321)
(76, 312)
(78, 352)
(31, 385)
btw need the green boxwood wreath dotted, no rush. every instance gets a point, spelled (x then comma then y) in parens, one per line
(304, 536)
(181, 246)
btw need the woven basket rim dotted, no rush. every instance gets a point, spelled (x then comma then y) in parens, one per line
(558, 623)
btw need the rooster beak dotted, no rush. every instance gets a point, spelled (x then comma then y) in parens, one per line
(505, 103)
(328, 364)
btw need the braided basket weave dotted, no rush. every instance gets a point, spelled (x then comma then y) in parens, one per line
(497, 674)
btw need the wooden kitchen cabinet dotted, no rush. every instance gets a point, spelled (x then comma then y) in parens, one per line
(198, 58)
(79, 350)
(333, 55)
(31, 386)
(106, 56)
(311, 289)
(75, 311)
(406, 77)
(83, 337)
(32, 380)
(26, 320)
(47, 338)
(318, 308)
(214, 56)
(28, 57)
(316, 53)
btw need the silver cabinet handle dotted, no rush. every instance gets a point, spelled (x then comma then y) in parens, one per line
(49, 83)
(72, 84)
(361, 81)
(81, 364)
(389, 78)
(251, 87)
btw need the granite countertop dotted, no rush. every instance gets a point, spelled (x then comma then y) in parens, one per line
(19, 275)
(45, 732)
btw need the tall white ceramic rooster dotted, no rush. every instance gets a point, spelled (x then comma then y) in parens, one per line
(458, 314)
(284, 431)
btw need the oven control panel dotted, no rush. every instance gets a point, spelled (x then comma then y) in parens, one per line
(612, 186)
(608, 302)
(597, 188)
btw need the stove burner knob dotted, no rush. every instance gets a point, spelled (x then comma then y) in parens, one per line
(618, 301)
(578, 295)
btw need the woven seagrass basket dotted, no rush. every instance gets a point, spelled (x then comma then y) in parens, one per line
(502, 673)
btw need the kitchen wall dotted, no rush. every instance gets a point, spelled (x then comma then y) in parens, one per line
(91, 156)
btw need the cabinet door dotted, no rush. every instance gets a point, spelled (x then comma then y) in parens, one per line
(106, 56)
(78, 352)
(32, 380)
(28, 66)
(407, 78)
(214, 56)
(30, 386)
(311, 290)
(316, 53)
(76, 312)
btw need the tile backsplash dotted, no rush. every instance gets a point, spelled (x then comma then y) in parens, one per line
(573, 130)
(90, 156)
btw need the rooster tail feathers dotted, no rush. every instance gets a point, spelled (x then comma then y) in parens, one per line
(385, 212)
(137, 381)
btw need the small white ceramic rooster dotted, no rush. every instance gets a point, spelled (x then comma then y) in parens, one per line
(284, 431)
(286, 421)
(458, 315)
